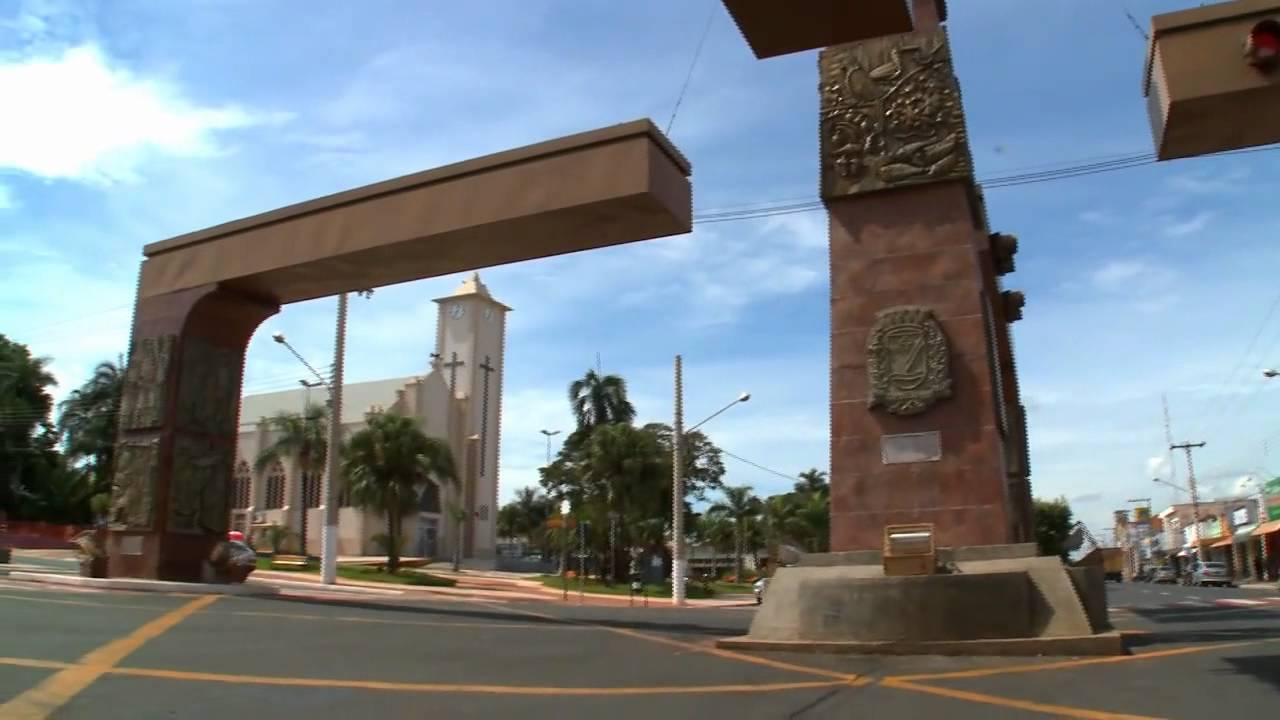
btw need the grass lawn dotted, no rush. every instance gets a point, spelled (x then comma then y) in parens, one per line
(693, 590)
(368, 574)
(728, 588)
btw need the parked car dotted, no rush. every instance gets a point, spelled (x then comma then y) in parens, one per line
(1211, 573)
(759, 588)
(1164, 575)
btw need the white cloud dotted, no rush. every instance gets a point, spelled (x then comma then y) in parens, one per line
(74, 115)
(1159, 467)
(1190, 226)
(76, 334)
(1201, 184)
(1097, 217)
(1118, 272)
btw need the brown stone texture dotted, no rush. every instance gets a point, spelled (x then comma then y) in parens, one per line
(924, 245)
(172, 497)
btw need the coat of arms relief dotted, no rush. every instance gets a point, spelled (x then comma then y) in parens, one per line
(908, 361)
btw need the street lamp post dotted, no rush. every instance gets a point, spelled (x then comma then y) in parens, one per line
(678, 559)
(549, 434)
(565, 508)
(328, 481)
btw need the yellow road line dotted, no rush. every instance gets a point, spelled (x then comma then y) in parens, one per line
(846, 678)
(33, 663)
(1055, 710)
(465, 688)
(44, 699)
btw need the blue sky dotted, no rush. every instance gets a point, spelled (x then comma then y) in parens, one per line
(128, 122)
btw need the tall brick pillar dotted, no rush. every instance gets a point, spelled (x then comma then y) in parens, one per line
(171, 493)
(926, 424)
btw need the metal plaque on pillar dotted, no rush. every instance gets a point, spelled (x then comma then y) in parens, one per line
(911, 448)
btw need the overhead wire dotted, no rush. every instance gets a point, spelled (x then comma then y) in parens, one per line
(758, 466)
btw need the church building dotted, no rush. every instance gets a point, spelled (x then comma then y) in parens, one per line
(458, 400)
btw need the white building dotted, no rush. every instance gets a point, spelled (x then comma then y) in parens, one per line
(459, 400)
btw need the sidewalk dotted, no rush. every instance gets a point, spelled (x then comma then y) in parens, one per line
(1269, 586)
(482, 587)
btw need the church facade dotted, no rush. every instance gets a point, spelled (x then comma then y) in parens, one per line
(458, 400)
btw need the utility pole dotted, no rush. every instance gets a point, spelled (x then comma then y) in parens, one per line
(329, 486)
(677, 493)
(1191, 484)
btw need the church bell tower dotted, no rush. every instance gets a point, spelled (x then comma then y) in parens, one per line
(470, 344)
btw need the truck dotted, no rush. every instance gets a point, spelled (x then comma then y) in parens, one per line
(1110, 558)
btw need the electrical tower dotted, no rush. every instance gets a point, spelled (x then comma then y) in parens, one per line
(1191, 485)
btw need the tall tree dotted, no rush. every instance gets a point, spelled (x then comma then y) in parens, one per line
(625, 466)
(387, 464)
(716, 530)
(25, 404)
(741, 506)
(812, 482)
(87, 422)
(303, 439)
(600, 399)
(810, 522)
(1053, 524)
(703, 464)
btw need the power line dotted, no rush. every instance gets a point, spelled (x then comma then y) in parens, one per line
(706, 29)
(759, 466)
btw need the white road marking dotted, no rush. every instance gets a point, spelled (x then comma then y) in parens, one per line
(1242, 601)
(1165, 593)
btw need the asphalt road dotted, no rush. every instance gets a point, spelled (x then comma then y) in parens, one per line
(96, 655)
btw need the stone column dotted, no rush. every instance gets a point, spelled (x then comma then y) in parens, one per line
(171, 490)
(926, 425)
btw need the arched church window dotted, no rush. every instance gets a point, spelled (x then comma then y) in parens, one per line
(275, 486)
(241, 483)
(311, 490)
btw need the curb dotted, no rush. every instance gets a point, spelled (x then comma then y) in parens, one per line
(142, 585)
(1108, 643)
(249, 588)
(271, 582)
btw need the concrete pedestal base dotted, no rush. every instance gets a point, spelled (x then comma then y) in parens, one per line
(1002, 606)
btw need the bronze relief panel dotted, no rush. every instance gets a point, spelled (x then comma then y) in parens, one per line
(145, 381)
(133, 484)
(209, 391)
(891, 115)
(200, 486)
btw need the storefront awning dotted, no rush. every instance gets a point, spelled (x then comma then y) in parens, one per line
(1224, 542)
(1244, 532)
(1270, 527)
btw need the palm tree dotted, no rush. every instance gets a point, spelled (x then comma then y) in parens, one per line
(304, 440)
(717, 531)
(740, 505)
(810, 522)
(813, 482)
(777, 515)
(624, 465)
(387, 464)
(87, 423)
(600, 399)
